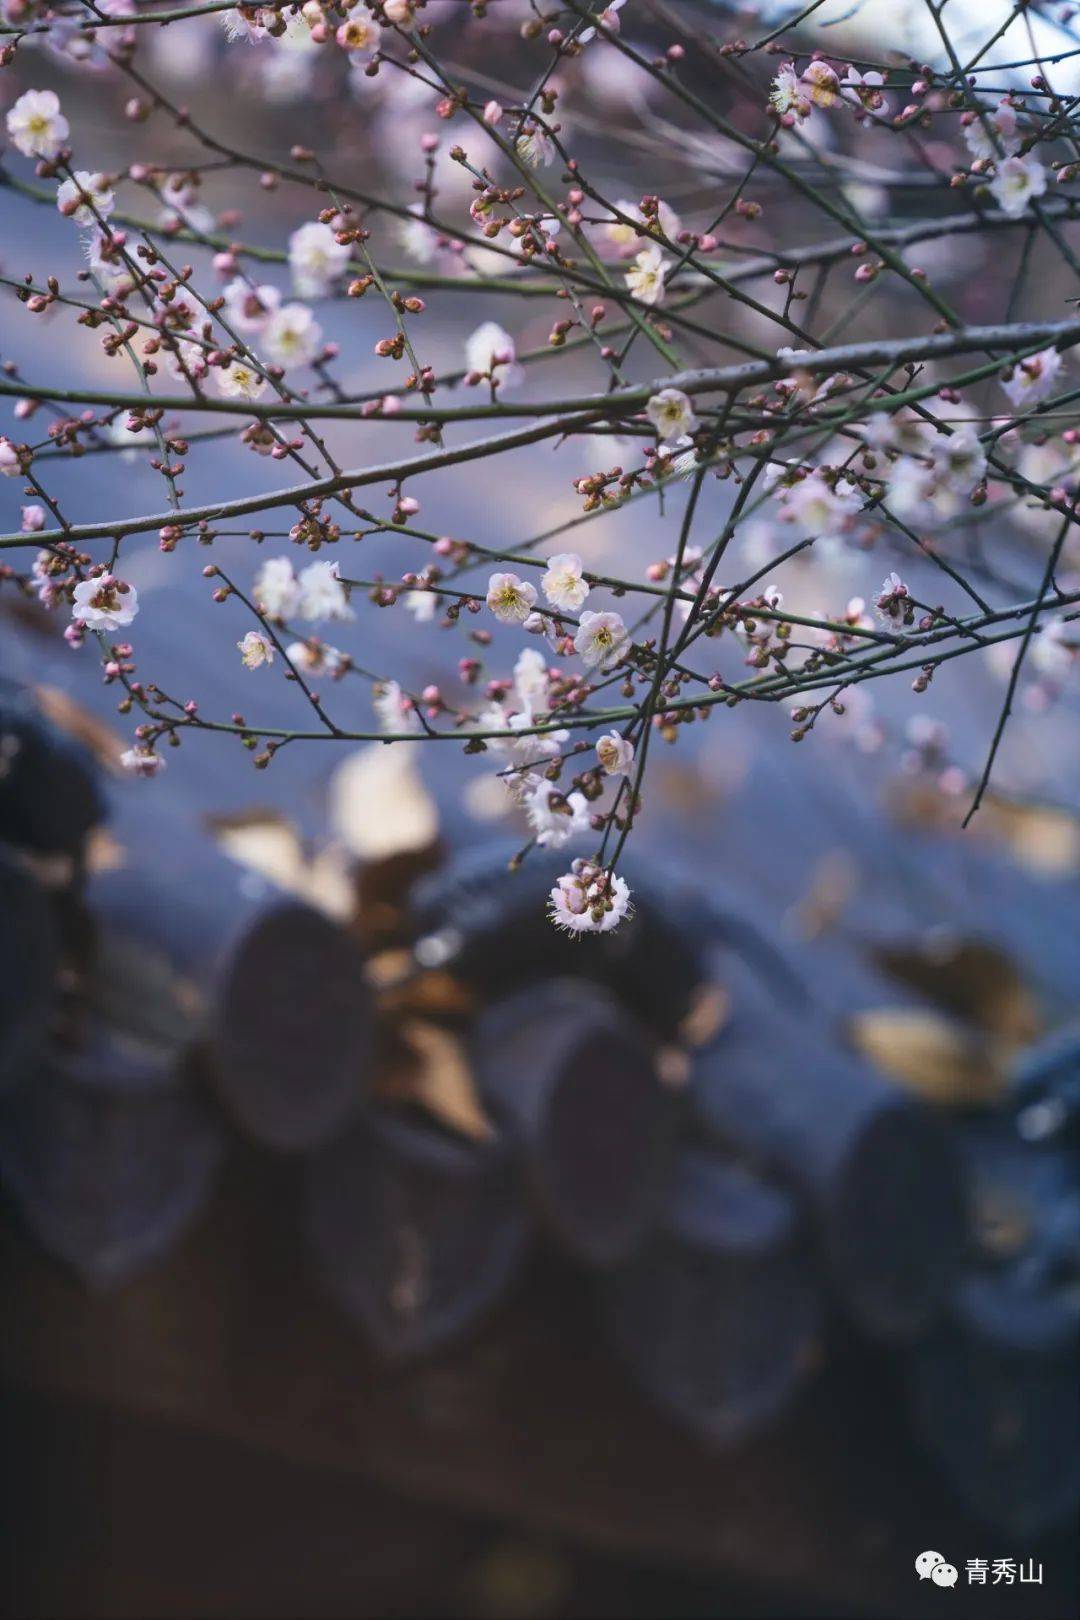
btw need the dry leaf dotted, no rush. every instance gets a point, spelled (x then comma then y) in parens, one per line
(1044, 838)
(710, 1005)
(430, 994)
(70, 717)
(429, 1070)
(268, 843)
(974, 980)
(103, 852)
(930, 1055)
(833, 882)
(379, 805)
(673, 1067)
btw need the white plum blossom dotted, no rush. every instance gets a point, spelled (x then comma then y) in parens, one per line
(1002, 123)
(535, 147)
(100, 199)
(1017, 181)
(256, 649)
(10, 465)
(818, 508)
(510, 599)
(563, 584)
(36, 125)
(104, 603)
(893, 604)
(822, 83)
(277, 589)
(316, 259)
(646, 277)
(627, 238)
(142, 761)
(864, 90)
(239, 380)
(788, 97)
(554, 818)
(488, 349)
(959, 460)
(359, 34)
(672, 415)
(322, 595)
(531, 680)
(1055, 651)
(421, 604)
(315, 658)
(249, 307)
(292, 336)
(614, 754)
(1032, 380)
(394, 711)
(602, 640)
(589, 900)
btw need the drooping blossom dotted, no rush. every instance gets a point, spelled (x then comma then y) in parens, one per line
(589, 900)
(1032, 380)
(99, 198)
(614, 754)
(554, 818)
(893, 604)
(142, 761)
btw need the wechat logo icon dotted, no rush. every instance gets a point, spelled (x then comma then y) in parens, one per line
(930, 1566)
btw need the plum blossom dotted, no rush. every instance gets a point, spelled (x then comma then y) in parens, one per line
(823, 84)
(589, 900)
(863, 90)
(672, 415)
(510, 599)
(33, 519)
(1032, 380)
(256, 649)
(249, 307)
(553, 817)
(316, 259)
(609, 18)
(142, 761)
(239, 380)
(292, 336)
(394, 711)
(819, 508)
(646, 279)
(959, 460)
(788, 97)
(10, 464)
(488, 349)
(1001, 123)
(104, 603)
(563, 584)
(602, 640)
(322, 595)
(892, 603)
(100, 199)
(36, 125)
(359, 34)
(314, 657)
(614, 754)
(1017, 181)
(626, 238)
(277, 589)
(535, 147)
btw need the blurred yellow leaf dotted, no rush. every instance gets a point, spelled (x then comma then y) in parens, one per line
(379, 805)
(706, 1015)
(268, 843)
(70, 717)
(929, 1054)
(429, 1069)
(974, 980)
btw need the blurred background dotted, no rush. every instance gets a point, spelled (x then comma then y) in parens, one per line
(366, 1251)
